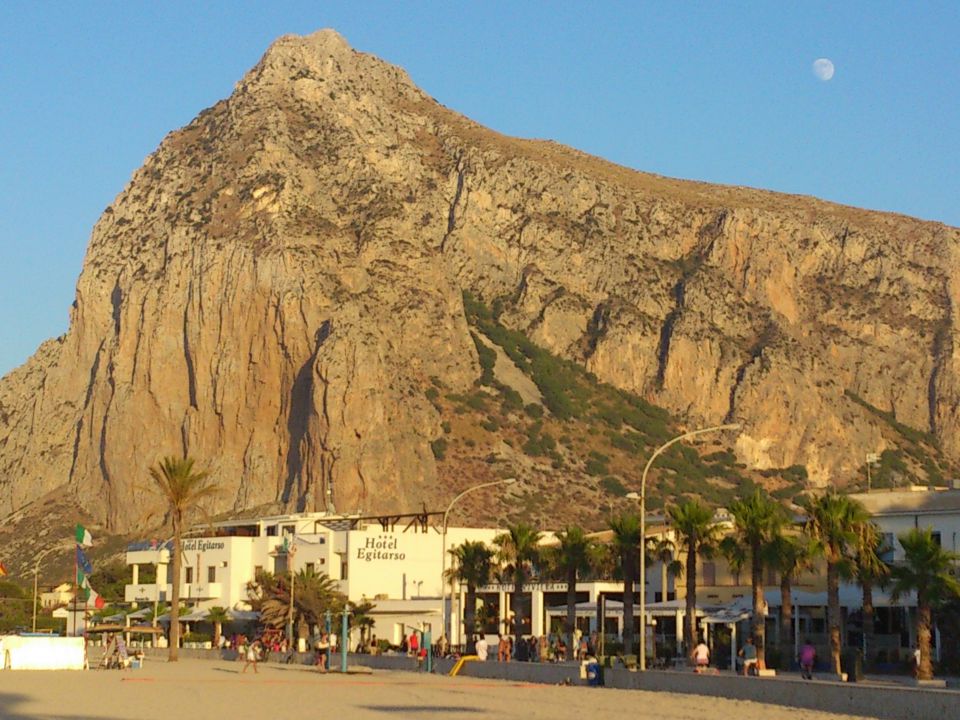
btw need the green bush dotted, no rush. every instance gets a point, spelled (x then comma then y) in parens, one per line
(533, 410)
(596, 467)
(487, 357)
(612, 486)
(439, 447)
(477, 401)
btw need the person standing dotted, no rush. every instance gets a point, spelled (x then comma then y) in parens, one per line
(253, 655)
(322, 651)
(482, 648)
(701, 656)
(749, 654)
(808, 656)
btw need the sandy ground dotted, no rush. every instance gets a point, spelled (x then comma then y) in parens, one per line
(203, 689)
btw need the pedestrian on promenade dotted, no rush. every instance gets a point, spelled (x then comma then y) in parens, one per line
(807, 657)
(749, 654)
(482, 648)
(701, 657)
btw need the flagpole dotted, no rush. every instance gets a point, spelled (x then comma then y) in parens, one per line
(76, 586)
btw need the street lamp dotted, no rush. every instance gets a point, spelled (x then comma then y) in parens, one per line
(443, 549)
(643, 528)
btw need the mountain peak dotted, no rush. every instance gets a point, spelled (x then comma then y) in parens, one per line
(326, 59)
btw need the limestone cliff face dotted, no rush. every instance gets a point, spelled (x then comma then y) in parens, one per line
(277, 285)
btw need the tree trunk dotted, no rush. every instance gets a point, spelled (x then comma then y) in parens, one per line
(924, 631)
(867, 588)
(628, 566)
(571, 605)
(833, 614)
(216, 635)
(786, 610)
(175, 593)
(470, 619)
(690, 621)
(757, 620)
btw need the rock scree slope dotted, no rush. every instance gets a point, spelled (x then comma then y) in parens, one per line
(282, 280)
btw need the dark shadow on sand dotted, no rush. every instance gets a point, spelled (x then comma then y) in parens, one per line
(420, 709)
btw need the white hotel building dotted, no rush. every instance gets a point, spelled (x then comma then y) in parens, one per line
(392, 561)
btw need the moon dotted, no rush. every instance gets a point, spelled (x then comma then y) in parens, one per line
(823, 69)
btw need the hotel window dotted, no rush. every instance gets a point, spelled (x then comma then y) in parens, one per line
(257, 570)
(310, 568)
(936, 539)
(211, 573)
(343, 567)
(189, 572)
(709, 573)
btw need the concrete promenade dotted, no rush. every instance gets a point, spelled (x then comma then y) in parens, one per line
(887, 699)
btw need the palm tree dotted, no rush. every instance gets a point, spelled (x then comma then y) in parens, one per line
(870, 571)
(834, 522)
(472, 565)
(697, 534)
(520, 549)
(926, 570)
(757, 520)
(315, 595)
(184, 490)
(573, 558)
(626, 545)
(662, 550)
(363, 619)
(789, 555)
(218, 616)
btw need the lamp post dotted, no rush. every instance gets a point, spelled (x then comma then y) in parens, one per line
(643, 528)
(36, 575)
(443, 551)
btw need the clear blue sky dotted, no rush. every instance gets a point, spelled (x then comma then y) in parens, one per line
(715, 91)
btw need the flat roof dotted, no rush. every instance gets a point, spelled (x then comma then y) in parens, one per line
(914, 501)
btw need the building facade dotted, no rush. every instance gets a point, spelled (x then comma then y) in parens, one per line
(395, 562)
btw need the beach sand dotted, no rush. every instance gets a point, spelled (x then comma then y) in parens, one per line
(202, 689)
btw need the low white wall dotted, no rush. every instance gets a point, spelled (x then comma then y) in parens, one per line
(42, 653)
(886, 703)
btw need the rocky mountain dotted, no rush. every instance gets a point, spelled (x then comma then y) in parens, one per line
(280, 292)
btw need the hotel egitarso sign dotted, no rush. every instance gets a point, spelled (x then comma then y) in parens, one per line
(384, 547)
(202, 545)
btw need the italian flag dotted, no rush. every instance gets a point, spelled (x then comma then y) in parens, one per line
(92, 596)
(84, 538)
